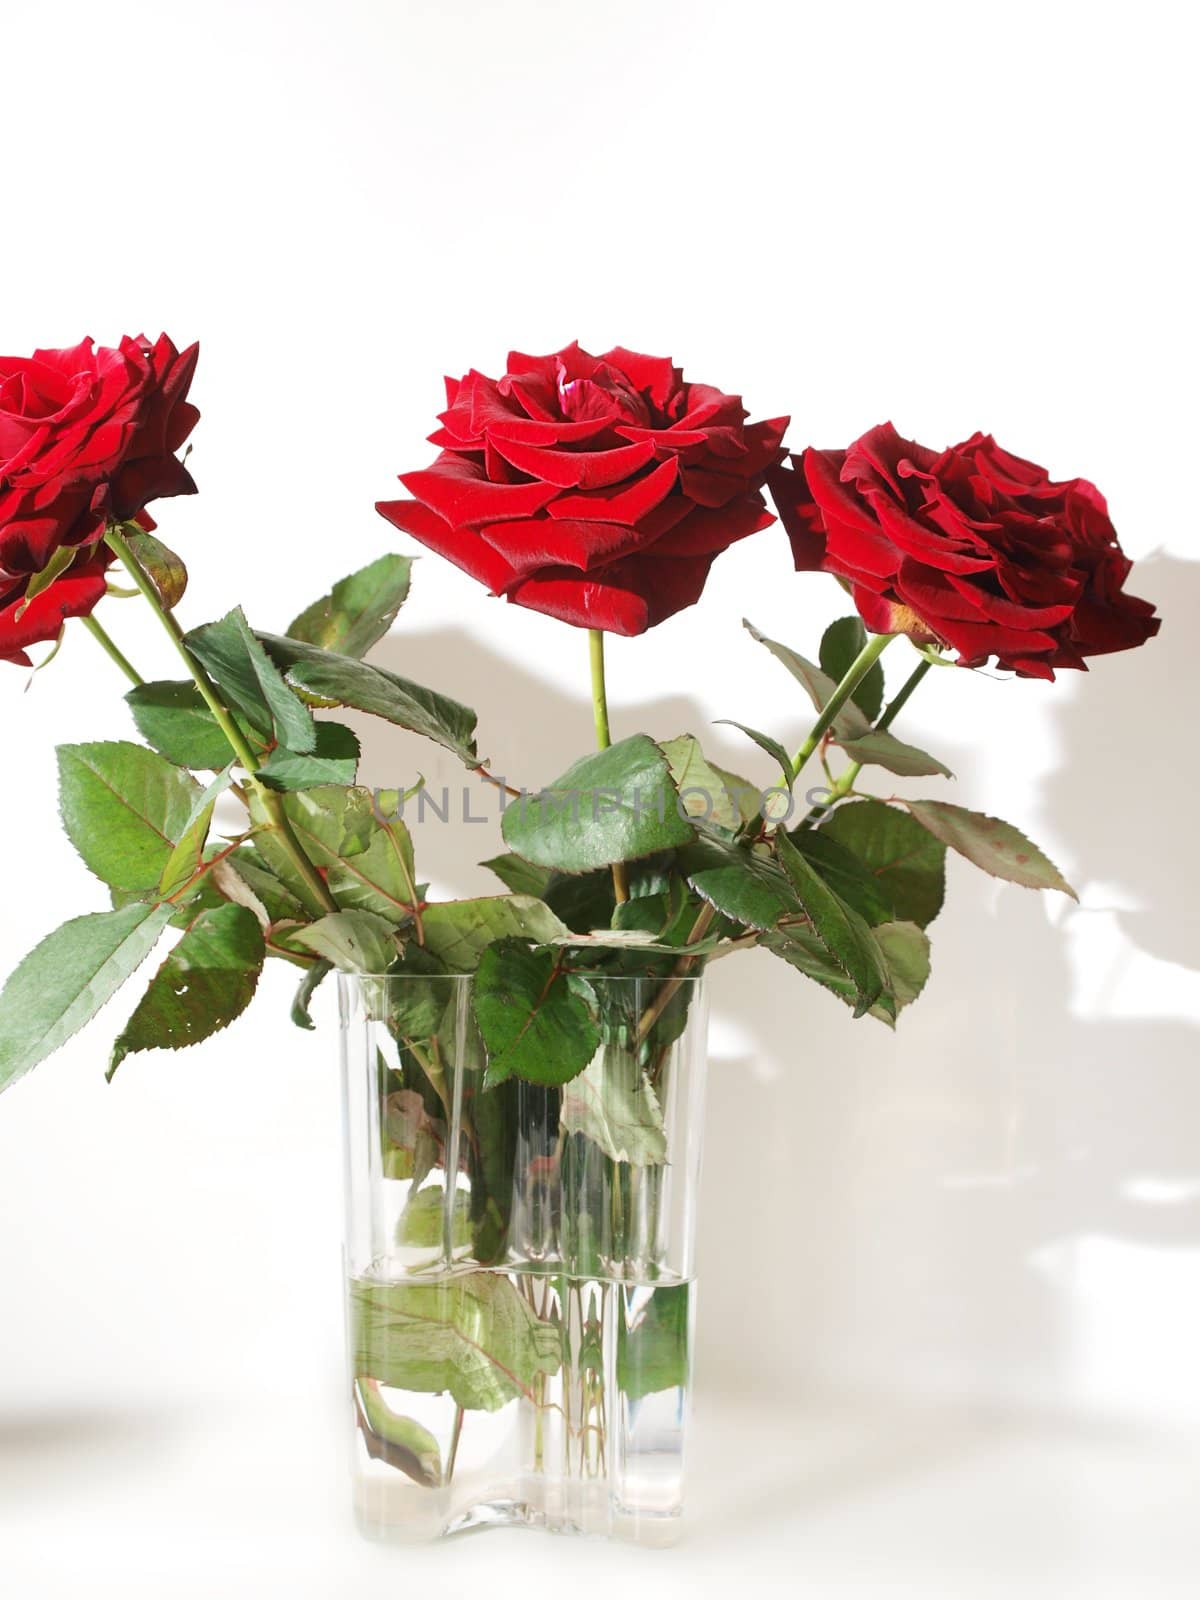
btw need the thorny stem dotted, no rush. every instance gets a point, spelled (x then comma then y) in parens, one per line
(271, 803)
(498, 783)
(843, 786)
(859, 667)
(672, 985)
(112, 651)
(620, 876)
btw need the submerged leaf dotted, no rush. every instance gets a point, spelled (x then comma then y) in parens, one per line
(473, 1336)
(612, 1103)
(653, 1339)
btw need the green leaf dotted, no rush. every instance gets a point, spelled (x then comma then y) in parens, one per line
(706, 791)
(360, 609)
(583, 902)
(745, 885)
(765, 742)
(908, 864)
(174, 719)
(245, 879)
(341, 680)
(996, 846)
(251, 683)
(617, 805)
(208, 979)
(522, 877)
(843, 642)
(457, 932)
(335, 760)
(62, 983)
(354, 941)
(162, 566)
(851, 729)
(41, 581)
(473, 1336)
(905, 949)
(875, 749)
(818, 685)
(187, 858)
(124, 809)
(301, 1004)
(634, 941)
(653, 1340)
(399, 1441)
(422, 1223)
(367, 860)
(842, 931)
(851, 879)
(413, 1141)
(538, 1021)
(612, 1103)
(746, 796)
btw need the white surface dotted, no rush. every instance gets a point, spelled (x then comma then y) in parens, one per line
(975, 1371)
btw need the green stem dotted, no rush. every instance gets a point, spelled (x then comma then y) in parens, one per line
(846, 782)
(112, 651)
(604, 738)
(857, 671)
(455, 1437)
(599, 689)
(271, 803)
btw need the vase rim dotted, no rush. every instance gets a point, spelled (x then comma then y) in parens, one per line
(354, 980)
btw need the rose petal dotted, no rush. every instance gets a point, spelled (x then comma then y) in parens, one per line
(542, 542)
(627, 502)
(579, 469)
(461, 545)
(459, 490)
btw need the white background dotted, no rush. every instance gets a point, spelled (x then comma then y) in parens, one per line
(951, 1307)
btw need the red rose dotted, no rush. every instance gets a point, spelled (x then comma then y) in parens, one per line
(86, 435)
(972, 548)
(598, 489)
(75, 594)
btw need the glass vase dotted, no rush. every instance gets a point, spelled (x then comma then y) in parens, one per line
(519, 1265)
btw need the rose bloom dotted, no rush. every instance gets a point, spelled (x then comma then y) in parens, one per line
(596, 489)
(970, 547)
(87, 436)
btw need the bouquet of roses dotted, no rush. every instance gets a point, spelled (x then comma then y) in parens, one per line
(599, 490)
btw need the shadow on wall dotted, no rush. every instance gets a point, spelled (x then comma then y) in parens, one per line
(901, 1211)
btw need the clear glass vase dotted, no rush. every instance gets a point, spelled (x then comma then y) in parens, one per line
(519, 1265)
